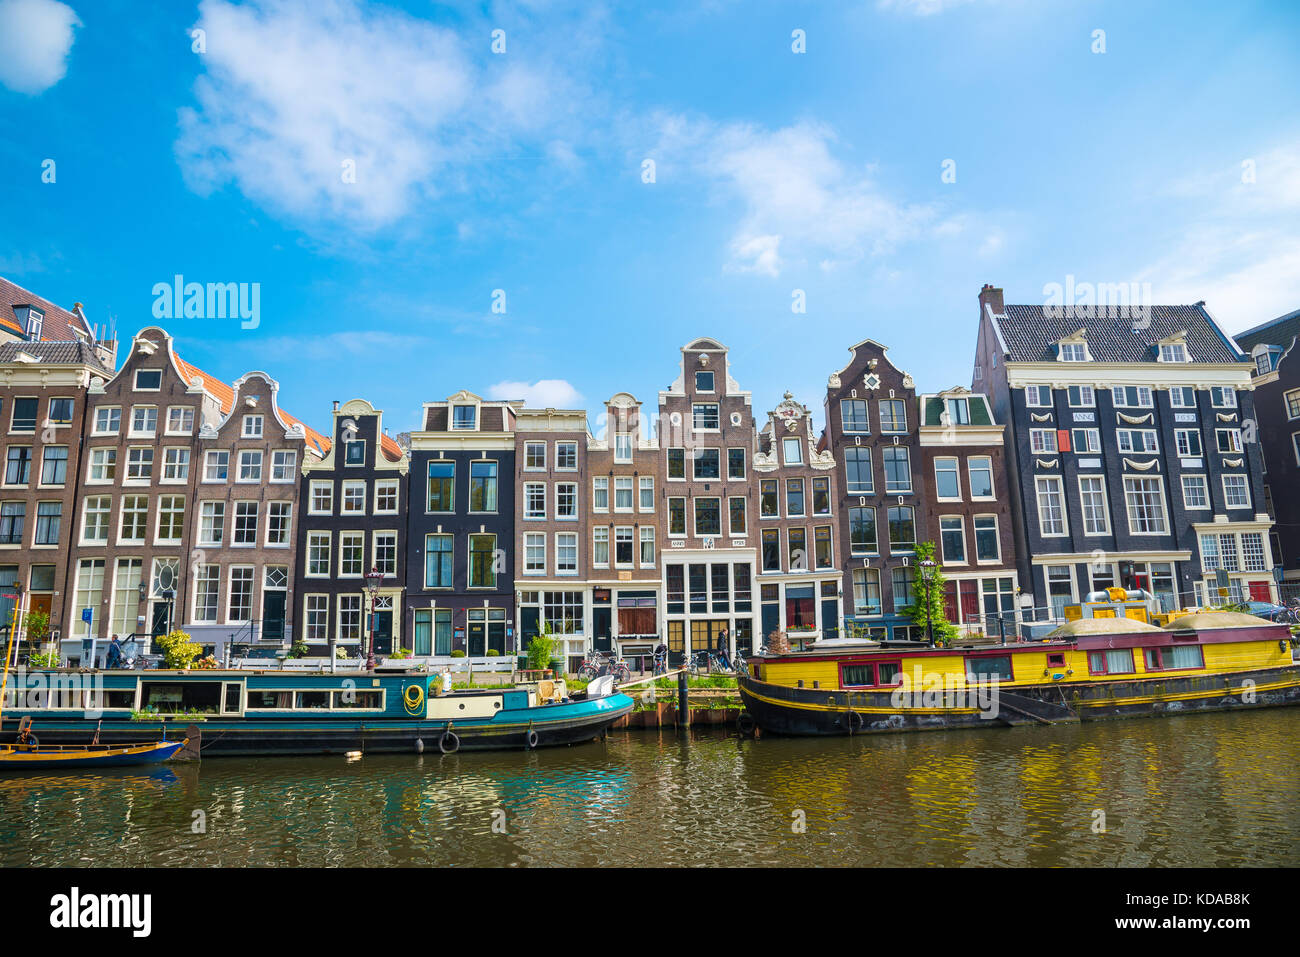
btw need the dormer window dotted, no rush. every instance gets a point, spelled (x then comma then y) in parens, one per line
(958, 411)
(1074, 352)
(1266, 359)
(35, 320)
(1173, 352)
(464, 417)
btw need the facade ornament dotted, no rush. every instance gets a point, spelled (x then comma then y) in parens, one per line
(1048, 463)
(1036, 416)
(871, 381)
(1227, 416)
(1233, 463)
(1140, 466)
(1134, 419)
(833, 381)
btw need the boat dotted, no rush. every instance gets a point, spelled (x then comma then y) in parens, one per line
(29, 757)
(276, 712)
(1091, 668)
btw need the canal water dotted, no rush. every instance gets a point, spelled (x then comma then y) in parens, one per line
(1209, 790)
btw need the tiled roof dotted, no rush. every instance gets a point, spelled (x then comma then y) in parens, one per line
(58, 325)
(392, 451)
(1030, 334)
(69, 353)
(1278, 332)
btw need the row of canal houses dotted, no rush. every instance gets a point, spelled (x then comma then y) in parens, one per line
(1093, 449)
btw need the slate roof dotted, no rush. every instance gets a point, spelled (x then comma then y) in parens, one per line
(1277, 332)
(63, 353)
(1030, 334)
(58, 324)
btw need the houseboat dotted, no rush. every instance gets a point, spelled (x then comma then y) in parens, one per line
(1091, 668)
(282, 712)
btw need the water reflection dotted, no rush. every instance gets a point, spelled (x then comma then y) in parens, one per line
(1207, 790)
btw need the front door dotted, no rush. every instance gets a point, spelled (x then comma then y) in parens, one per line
(383, 632)
(161, 616)
(273, 615)
(600, 624)
(477, 639)
(1261, 591)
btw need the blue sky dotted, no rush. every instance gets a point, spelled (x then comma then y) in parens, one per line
(1172, 158)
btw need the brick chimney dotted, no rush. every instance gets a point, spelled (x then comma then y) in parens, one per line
(991, 296)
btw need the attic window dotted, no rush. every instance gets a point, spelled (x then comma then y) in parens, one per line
(463, 417)
(1073, 352)
(1173, 352)
(958, 411)
(35, 320)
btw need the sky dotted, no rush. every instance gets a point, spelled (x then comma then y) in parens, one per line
(545, 200)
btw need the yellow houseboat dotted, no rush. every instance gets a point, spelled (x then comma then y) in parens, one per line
(1091, 668)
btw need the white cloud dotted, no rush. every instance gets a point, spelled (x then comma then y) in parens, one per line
(542, 394)
(922, 8)
(297, 92)
(35, 39)
(801, 202)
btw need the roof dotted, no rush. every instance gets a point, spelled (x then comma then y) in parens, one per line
(1101, 626)
(1276, 332)
(1030, 333)
(1203, 620)
(934, 406)
(392, 451)
(59, 324)
(63, 353)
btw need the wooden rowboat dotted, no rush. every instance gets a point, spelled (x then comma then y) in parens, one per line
(49, 757)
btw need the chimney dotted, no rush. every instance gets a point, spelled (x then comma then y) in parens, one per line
(991, 297)
(336, 405)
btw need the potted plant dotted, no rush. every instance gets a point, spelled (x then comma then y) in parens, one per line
(178, 650)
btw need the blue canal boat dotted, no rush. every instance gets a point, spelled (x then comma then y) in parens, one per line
(34, 757)
(284, 712)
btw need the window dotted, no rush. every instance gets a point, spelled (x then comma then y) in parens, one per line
(1051, 505)
(279, 519)
(797, 549)
(957, 411)
(108, 420)
(893, 415)
(646, 493)
(566, 456)
(24, 415)
(1174, 658)
(61, 411)
(1086, 440)
(103, 465)
(704, 382)
(622, 447)
(903, 581)
(148, 380)
(1188, 442)
(534, 456)
(1145, 500)
(354, 452)
(1116, 661)
(13, 517)
(952, 533)
(792, 451)
(898, 469)
(18, 465)
(986, 668)
(947, 479)
(623, 546)
(1236, 492)
(386, 497)
(483, 487)
(1092, 499)
(252, 427)
(866, 591)
(239, 606)
(600, 494)
(318, 554)
(767, 499)
(1038, 396)
(212, 522)
(442, 479)
(708, 516)
(736, 464)
(822, 551)
(1173, 352)
(245, 523)
(1195, 493)
(176, 464)
(284, 462)
(54, 465)
(794, 503)
(853, 415)
(250, 465)
(180, 420)
(987, 546)
(353, 499)
(318, 616)
(736, 515)
(482, 550)
(352, 546)
(1223, 398)
(1182, 397)
(1042, 441)
(49, 516)
(535, 551)
(349, 624)
(464, 417)
(1081, 396)
(600, 546)
(216, 466)
(1131, 396)
(1073, 352)
(1228, 440)
(1252, 552)
(438, 561)
(134, 523)
(144, 420)
(704, 415)
(385, 552)
(857, 469)
(902, 529)
(677, 516)
(535, 500)
(771, 550)
(139, 463)
(677, 463)
(322, 497)
(95, 519)
(566, 553)
(566, 500)
(647, 557)
(706, 464)
(821, 488)
(1141, 441)
(207, 581)
(623, 493)
(862, 531)
(171, 517)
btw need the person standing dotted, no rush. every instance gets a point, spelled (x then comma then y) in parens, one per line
(723, 656)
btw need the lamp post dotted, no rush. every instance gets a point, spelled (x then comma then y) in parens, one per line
(927, 576)
(373, 580)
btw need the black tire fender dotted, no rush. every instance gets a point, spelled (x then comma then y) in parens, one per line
(745, 722)
(854, 721)
(532, 739)
(449, 743)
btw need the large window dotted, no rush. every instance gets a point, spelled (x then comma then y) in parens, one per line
(566, 500)
(134, 519)
(893, 415)
(245, 532)
(857, 468)
(171, 517)
(952, 532)
(442, 481)
(1051, 505)
(980, 471)
(866, 591)
(437, 561)
(768, 504)
(862, 531)
(240, 603)
(1145, 500)
(483, 486)
(794, 503)
(903, 580)
(207, 583)
(279, 519)
(987, 546)
(736, 515)
(535, 500)
(707, 464)
(704, 415)
(947, 478)
(1092, 501)
(708, 516)
(902, 528)
(54, 465)
(898, 469)
(566, 553)
(482, 571)
(853, 415)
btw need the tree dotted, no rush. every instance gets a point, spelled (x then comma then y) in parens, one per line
(36, 627)
(928, 610)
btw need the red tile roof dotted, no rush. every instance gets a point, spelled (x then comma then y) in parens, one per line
(392, 451)
(58, 325)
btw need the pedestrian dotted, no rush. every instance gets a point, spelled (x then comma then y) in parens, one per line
(723, 643)
(114, 657)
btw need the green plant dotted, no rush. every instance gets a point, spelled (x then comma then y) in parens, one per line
(44, 659)
(457, 653)
(539, 651)
(150, 712)
(928, 611)
(493, 653)
(400, 653)
(299, 649)
(177, 649)
(36, 625)
(339, 652)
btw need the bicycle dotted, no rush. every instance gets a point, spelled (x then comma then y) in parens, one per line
(661, 665)
(591, 666)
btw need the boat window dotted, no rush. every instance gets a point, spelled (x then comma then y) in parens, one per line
(372, 700)
(1118, 661)
(889, 673)
(233, 693)
(110, 699)
(181, 697)
(857, 675)
(1057, 659)
(989, 667)
(311, 699)
(1172, 658)
(282, 700)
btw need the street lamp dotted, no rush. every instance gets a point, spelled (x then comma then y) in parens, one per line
(373, 581)
(927, 575)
